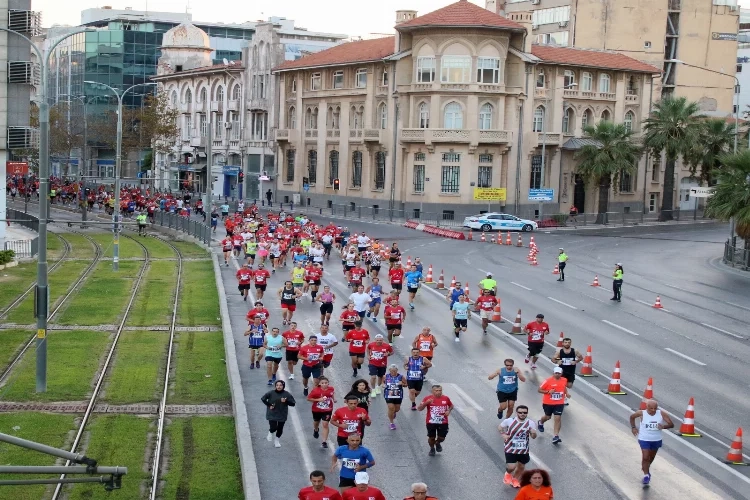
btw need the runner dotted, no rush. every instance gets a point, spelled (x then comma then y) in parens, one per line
(439, 407)
(298, 277)
(361, 390)
(419, 492)
(362, 489)
(311, 355)
(348, 318)
(375, 263)
(396, 276)
(326, 300)
(313, 275)
(363, 242)
(141, 218)
(322, 398)
(328, 341)
(288, 295)
(375, 291)
(327, 240)
(536, 331)
(416, 368)
(356, 275)
(277, 403)
(349, 259)
(461, 315)
(567, 358)
(294, 339)
(244, 277)
(237, 242)
(350, 419)
(454, 294)
(507, 387)
(394, 315)
(554, 391)
(251, 249)
(485, 304)
(653, 421)
(274, 251)
(318, 489)
(378, 353)
(426, 342)
(358, 339)
(413, 279)
(360, 299)
(226, 246)
(256, 331)
(273, 345)
(394, 393)
(261, 276)
(516, 433)
(354, 457)
(394, 255)
(535, 485)
(259, 311)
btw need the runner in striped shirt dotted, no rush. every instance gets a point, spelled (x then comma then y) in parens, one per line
(516, 432)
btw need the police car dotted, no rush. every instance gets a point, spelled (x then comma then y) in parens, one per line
(493, 221)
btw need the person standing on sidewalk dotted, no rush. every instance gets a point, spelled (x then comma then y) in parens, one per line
(562, 258)
(277, 404)
(617, 283)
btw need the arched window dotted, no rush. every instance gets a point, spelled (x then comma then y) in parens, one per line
(424, 115)
(453, 117)
(383, 116)
(568, 120)
(604, 83)
(628, 122)
(587, 119)
(485, 117)
(333, 170)
(539, 119)
(204, 95)
(357, 169)
(314, 118)
(606, 116)
(292, 121)
(236, 93)
(569, 79)
(312, 166)
(220, 93)
(188, 96)
(174, 98)
(308, 118)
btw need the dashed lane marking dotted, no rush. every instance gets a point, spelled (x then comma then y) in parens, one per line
(520, 286)
(684, 356)
(619, 327)
(652, 306)
(723, 331)
(562, 303)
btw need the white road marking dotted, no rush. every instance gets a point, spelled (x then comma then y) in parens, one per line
(561, 302)
(652, 306)
(619, 327)
(737, 305)
(520, 286)
(684, 356)
(677, 287)
(465, 396)
(723, 331)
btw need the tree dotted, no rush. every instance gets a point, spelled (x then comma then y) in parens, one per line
(731, 198)
(673, 129)
(716, 138)
(602, 164)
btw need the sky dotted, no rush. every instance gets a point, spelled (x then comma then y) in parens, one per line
(350, 17)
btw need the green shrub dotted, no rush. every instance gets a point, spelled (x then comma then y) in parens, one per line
(6, 256)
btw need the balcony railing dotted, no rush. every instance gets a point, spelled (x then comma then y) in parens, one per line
(373, 135)
(233, 105)
(333, 133)
(632, 98)
(570, 93)
(217, 106)
(466, 136)
(186, 108)
(311, 133)
(22, 138)
(356, 135)
(608, 96)
(260, 104)
(549, 138)
(540, 92)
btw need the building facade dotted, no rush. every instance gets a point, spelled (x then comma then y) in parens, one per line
(459, 99)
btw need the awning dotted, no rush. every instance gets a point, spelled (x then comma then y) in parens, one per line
(576, 143)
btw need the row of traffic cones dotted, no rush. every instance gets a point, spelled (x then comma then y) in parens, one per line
(499, 239)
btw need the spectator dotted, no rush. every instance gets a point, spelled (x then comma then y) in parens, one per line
(277, 404)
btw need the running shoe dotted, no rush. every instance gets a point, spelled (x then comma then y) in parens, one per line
(458, 339)
(438, 447)
(540, 426)
(257, 364)
(507, 479)
(432, 452)
(252, 366)
(325, 444)
(368, 314)
(647, 479)
(392, 427)
(316, 434)
(556, 440)
(414, 407)
(374, 393)
(291, 377)
(270, 382)
(305, 392)
(516, 484)
(527, 359)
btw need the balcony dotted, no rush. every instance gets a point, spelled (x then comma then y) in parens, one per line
(287, 135)
(259, 104)
(608, 96)
(311, 135)
(233, 105)
(465, 136)
(25, 21)
(494, 136)
(24, 72)
(540, 93)
(356, 135)
(549, 138)
(571, 94)
(217, 106)
(632, 99)
(186, 108)
(374, 135)
(333, 134)
(382, 90)
(198, 141)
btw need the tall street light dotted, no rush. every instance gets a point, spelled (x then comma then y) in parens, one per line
(118, 161)
(42, 288)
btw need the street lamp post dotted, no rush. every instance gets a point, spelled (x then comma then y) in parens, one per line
(42, 287)
(118, 162)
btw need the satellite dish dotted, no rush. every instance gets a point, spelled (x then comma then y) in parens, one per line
(231, 63)
(226, 63)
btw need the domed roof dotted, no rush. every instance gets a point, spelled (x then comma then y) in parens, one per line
(186, 35)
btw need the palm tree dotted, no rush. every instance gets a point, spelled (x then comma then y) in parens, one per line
(602, 163)
(673, 129)
(731, 198)
(716, 139)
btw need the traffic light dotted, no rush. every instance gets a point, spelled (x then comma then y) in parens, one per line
(336, 184)
(241, 177)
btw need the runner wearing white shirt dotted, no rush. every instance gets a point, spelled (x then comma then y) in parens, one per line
(363, 241)
(316, 252)
(361, 300)
(328, 341)
(516, 432)
(241, 206)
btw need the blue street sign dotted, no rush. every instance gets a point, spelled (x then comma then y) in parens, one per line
(541, 194)
(306, 187)
(230, 169)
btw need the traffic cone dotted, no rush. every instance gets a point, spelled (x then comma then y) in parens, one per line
(453, 283)
(559, 341)
(428, 278)
(734, 456)
(467, 290)
(614, 388)
(596, 280)
(648, 393)
(471, 236)
(508, 241)
(687, 429)
(484, 237)
(519, 243)
(534, 262)
(499, 238)
(657, 304)
(530, 257)
(441, 281)
(497, 315)
(587, 370)
(531, 242)
(517, 330)
(408, 261)
(556, 270)
(492, 238)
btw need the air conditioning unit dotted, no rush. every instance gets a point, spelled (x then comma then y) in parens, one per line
(535, 2)
(563, 24)
(534, 26)
(227, 125)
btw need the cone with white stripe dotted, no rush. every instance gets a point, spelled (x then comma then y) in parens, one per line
(648, 393)
(615, 389)
(587, 370)
(687, 429)
(734, 456)
(517, 330)
(428, 278)
(560, 340)
(596, 280)
(441, 280)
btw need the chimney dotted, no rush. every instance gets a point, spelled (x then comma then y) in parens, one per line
(525, 20)
(403, 16)
(496, 6)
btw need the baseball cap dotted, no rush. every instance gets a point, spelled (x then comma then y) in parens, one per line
(557, 370)
(378, 336)
(489, 275)
(618, 264)
(561, 248)
(361, 478)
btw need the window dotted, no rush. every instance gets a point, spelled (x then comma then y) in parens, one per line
(357, 169)
(334, 118)
(290, 165)
(455, 69)
(450, 173)
(739, 68)
(424, 115)
(203, 121)
(587, 119)
(735, 108)
(384, 79)
(356, 117)
(538, 125)
(234, 118)
(292, 122)
(632, 86)
(653, 202)
(383, 116)
(485, 117)
(604, 83)
(311, 118)
(220, 93)
(218, 129)
(294, 86)
(360, 78)
(540, 80)
(586, 81)
(559, 38)
(655, 169)
(453, 116)
(188, 96)
(627, 182)
(338, 79)
(628, 122)
(569, 79)
(425, 69)
(449, 214)
(380, 170)
(174, 98)
(312, 166)
(315, 81)
(484, 174)
(419, 169)
(736, 89)
(236, 93)
(535, 182)
(488, 70)
(333, 170)
(568, 119)
(204, 95)
(606, 116)
(550, 16)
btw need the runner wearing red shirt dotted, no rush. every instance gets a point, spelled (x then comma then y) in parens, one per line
(244, 277)
(226, 246)
(396, 275)
(322, 399)
(313, 275)
(294, 339)
(261, 276)
(362, 489)
(536, 330)
(378, 353)
(485, 304)
(349, 317)
(438, 409)
(318, 490)
(311, 355)
(394, 315)
(349, 419)
(237, 242)
(356, 274)
(358, 338)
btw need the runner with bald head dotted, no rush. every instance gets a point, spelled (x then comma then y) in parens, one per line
(653, 421)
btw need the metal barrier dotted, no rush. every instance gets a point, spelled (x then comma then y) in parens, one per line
(737, 257)
(186, 225)
(23, 248)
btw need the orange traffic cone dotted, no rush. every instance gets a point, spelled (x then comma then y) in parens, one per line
(559, 341)
(534, 262)
(734, 456)
(556, 270)
(519, 243)
(428, 278)
(497, 316)
(648, 393)
(408, 262)
(471, 236)
(530, 257)
(531, 242)
(657, 304)
(453, 283)
(484, 237)
(499, 238)
(596, 280)
(587, 370)
(492, 238)
(614, 388)
(441, 281)
(508, 241)
(467, 290)
(516, 330)
(687, 429)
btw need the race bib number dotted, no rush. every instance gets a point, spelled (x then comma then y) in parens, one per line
(358, 343)
(260, 279)
(274, 349)
(436, 417)
(652, 426)
(556, 396)
(329, 350)
(292, 343)
(509, 379)
(395, 280)
(415, 374)
(313, 356)
(352, 426)
(394, 393)
(323, 405)
(568, 361)
(519, 442)
(425, 346)
(396, 315)
(349, 463)
(377, 355)
(312, 282)
(536, 336)
(257, 335)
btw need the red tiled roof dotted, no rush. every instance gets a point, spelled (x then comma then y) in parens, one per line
(461, 14)
(591, 58)
(346, 53)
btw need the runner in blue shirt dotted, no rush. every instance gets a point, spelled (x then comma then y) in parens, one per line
(257, 332)
(455, 294)
(461, 314)
(354, 458)
(376, 291)
(412, 278)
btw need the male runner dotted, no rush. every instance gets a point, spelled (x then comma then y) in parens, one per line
(377, 356)
(360, 299)
(461, 315)
(516, 433)
(567, 358)
(358, 339)
(311, 355)
(259, 311)
(362, 489)
(653, 421)
(413, 277)
(439, 407)
(416, 368)
(375, 291)
(256, 331)
(350, 419)
(507, 387)
(354, 458)
(394, 315)
(244, 277)
(486, 303)
(294, 339)
(396, 275)
(288, 295)
(318, 490)
(426, 342)
(554, 391)
(536, 331)
(261, 276)
(328, 341)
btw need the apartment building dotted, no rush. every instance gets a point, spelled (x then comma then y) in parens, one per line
(459, 99)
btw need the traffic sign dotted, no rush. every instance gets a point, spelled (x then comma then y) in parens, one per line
(701, 192)
(541, 194)
(490, 194)
(306, 187)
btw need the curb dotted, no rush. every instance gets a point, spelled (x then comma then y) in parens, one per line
(437, 231)
(250, 481)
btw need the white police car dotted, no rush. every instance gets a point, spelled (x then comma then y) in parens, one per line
(494, 221)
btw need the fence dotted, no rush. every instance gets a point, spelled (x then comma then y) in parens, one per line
(177, 222)
(23, 248)
(735, 256)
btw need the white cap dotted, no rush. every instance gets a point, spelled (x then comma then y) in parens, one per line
(557, 370)
(361, 478)
(618, 264)
(379, 336)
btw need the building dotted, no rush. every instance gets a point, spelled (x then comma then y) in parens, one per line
(742, 92)
(459, 99)
(234, 100)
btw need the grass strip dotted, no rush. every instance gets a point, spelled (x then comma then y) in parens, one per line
(54, 246)
(157, 249)
(203, 461)
(81, 247)
(11, 342)
(14, 281)
(199, 300)
(129, 249)
(190, 250)
(73, 358)
(135, 372)
(103, 296)
(200, 370)
(116, 440)
(155, 298)
(45, 428)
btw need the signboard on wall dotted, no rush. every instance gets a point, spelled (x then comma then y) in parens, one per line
(701, 192)
(728, 37)
(489, 194)
(541, 194)
(16, 167)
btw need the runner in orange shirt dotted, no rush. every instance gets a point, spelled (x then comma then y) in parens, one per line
(555, 391)
(426, 342)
